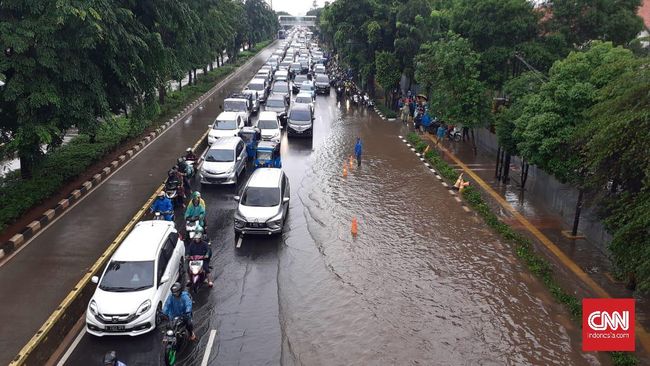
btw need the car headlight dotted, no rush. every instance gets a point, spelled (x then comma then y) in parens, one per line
(93, 308)
(143, 308)
(275, 221)
(239, 220)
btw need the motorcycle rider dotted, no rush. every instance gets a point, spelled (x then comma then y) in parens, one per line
(163, 205)
(180, 305)
(196, 208)
(185, 170)
(189, 155)
(110, 359)
(200, 247)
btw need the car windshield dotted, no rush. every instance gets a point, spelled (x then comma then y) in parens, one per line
(300, 116)
(306, 86)
(220, 156)
(275, 103)
(267, 124)
(261, 197)
(256, 87)
(322, 79)
(299, 79)
(264, 155)
(303, 99)
(280, 87)
(122, 276)
(234, 105)
(225, 125)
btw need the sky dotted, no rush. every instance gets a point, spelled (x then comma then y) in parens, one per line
(294, 7)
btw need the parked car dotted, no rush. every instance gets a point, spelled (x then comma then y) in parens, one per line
(224, 161)
(226, 124)
(270, 126)
(300, 121)
(136, 281)
(278, 104)
(263, 204)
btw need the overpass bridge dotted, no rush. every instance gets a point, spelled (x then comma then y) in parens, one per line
(288, 21)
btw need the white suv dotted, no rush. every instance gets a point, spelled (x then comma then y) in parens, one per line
(136, 281)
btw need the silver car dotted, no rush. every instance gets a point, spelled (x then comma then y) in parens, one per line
(263, 204)
(224, 161)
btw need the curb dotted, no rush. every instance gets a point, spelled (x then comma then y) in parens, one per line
(420, 156)
(29, 231)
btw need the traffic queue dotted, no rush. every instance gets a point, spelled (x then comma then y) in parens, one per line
(148, 280)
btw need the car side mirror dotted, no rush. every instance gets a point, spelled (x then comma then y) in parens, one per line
(280, 127)
(238, 158)
(241, 124)
(210, 125)
(164, 279)
(285, 200)
(236, 198)
(94, 279)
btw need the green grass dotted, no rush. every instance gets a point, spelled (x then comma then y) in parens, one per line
(522, 246)
(389, 113)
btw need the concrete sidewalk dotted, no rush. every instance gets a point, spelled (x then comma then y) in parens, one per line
(591, 257)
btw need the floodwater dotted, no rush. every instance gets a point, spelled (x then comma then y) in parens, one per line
(423, 282)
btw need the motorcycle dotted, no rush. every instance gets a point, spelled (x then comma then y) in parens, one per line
(356, 99)
(174, 340)
(195, 272)
(161, 215)
(191, 225)
(172, 191)
(368, 102)
(455, 134)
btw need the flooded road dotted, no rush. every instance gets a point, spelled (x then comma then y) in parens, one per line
(422, 283)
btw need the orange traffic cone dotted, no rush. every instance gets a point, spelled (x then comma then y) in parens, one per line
(345, 170)
(354, 226)
(351, 162)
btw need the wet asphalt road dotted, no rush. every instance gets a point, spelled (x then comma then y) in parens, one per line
(423, 282)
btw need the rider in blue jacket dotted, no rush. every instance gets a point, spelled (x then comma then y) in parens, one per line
(180, 305)
(163, 205)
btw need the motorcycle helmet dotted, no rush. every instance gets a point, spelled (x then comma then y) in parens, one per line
(197, 234)
(196, 194)
(176, 289)
(161, 194)
(180, 160)
(189, 150)
(110, 358)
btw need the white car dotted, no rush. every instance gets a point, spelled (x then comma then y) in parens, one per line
(305, 98)
(269, 126)
(136, 281)
(226, 124)
(240, 104)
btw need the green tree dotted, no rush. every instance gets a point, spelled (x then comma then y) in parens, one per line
(412, 30)
(388, 72)
(584, 20)
(495, 28)
(448, 71)
(550, 127)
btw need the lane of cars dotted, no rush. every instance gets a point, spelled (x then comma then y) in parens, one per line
(138, 278)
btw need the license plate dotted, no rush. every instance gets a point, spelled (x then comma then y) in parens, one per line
(196, 263)
(115, 327)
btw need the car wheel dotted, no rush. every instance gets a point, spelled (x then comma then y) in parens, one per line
(158, 318)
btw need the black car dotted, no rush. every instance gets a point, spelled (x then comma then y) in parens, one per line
(322, 84)
(300, 121)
